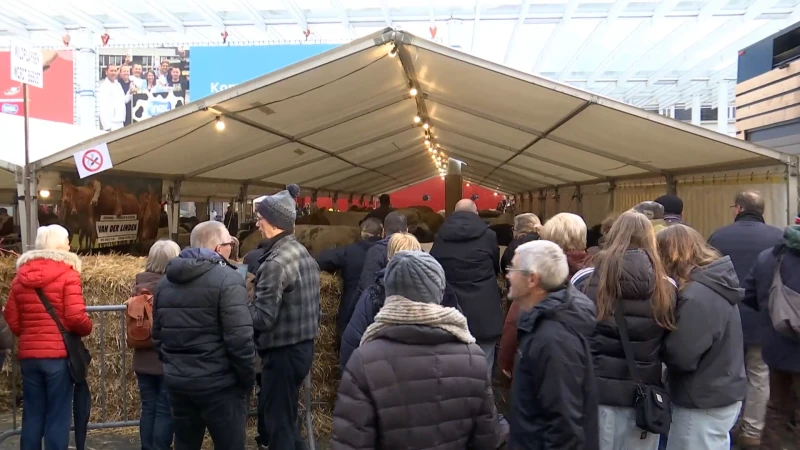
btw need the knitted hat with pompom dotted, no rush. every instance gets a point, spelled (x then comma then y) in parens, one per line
(279, 210)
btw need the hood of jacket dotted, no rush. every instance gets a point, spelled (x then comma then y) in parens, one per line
(191, 264)
(462, 226)
(566, 305)
(720, 277)
(577, 260)
(38, 268)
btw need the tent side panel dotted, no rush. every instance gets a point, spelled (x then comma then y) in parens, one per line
(628, 195)
(707, 199)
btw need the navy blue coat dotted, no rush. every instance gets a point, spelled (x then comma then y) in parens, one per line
(743, 241)
(350, 261)
(368, 305)
(779, 352)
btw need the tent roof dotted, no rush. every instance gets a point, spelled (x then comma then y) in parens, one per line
(342, 121)
(46, 137)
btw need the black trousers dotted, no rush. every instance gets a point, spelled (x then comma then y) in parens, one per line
(282, 373)
(223, 413)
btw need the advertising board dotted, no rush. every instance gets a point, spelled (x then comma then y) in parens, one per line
(54, 102)
(215, 69)
(108, 211)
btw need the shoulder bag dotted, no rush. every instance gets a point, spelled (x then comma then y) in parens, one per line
(78, 357)
(652, 403)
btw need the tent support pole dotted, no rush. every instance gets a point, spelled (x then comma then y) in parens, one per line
(792, 194)
(672, 184)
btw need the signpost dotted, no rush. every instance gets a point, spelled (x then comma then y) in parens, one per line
(27, 68)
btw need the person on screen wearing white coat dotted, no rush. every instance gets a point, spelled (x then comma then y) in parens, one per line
(112, 100)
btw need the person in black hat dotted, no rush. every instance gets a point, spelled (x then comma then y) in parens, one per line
(286, 313)
(673, 208)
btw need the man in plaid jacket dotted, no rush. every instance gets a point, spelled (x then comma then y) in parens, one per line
(286, 314)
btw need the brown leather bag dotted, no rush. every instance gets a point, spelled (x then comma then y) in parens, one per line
(139, 320)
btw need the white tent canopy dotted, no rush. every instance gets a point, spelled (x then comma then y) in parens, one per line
(46, 138)
(342, 122)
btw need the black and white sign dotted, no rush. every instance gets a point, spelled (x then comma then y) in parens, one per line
(26, 65)
(116, 230)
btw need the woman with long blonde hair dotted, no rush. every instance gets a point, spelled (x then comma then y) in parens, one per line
(627, 274)
(704, 357)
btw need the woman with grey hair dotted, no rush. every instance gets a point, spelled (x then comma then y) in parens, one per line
(155, 423)
(425, 351)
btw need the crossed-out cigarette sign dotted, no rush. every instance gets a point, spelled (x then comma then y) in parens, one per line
(92, 160)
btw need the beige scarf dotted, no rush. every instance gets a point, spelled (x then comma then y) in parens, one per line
(399, 310)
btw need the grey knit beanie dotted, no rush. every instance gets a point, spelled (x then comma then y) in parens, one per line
(416, 276)
(280, 209)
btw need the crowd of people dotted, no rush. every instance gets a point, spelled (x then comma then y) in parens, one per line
(116, 90)
(656, 338)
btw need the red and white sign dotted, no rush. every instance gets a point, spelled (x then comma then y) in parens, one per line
(92, 160)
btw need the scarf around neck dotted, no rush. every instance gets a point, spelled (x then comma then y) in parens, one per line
(398, 310)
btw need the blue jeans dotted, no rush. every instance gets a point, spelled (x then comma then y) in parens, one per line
(155, 425)
(47, 404)
(618, 430)
(702, 429)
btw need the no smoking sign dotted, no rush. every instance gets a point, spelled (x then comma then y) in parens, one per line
(92, 160)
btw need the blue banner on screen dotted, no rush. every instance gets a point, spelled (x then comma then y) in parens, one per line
(214, 69)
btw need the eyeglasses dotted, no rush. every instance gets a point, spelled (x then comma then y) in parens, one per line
(226, 244)
(511, 269)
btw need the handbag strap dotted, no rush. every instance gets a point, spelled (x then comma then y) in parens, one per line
(776, 275)
(50, 310)
(622, 325)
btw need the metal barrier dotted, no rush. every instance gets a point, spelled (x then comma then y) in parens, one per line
(100, 326)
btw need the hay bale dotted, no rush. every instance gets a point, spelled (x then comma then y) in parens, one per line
(107, 280)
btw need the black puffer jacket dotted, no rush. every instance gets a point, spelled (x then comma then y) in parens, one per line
(467, 250)
(554, 389)
(415, 387)
(202, 328)
(613, 377)
(704, 353)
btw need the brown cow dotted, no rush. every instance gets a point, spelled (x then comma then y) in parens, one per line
(150, 206)
(127, 204)
(80, 201)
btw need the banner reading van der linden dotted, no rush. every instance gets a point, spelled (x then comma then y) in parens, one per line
(215, 69)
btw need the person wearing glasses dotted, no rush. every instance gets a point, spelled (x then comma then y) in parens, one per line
(204, 334)
(286, 315)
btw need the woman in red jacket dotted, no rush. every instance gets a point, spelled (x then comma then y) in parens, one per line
(46, 383)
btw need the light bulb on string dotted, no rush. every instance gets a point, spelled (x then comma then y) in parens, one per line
(413, 92)
(428, 142)
(220, 125)
(425, 125)
(417, 119)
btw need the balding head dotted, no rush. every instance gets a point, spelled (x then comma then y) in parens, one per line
(209, 235)
(750, 201)
(466, 205)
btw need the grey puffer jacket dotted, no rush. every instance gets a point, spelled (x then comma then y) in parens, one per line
(704, 356)
(415, 387)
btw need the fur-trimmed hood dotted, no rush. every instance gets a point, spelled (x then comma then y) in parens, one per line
(37, 268)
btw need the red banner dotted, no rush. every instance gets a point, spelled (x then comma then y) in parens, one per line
(54, 102)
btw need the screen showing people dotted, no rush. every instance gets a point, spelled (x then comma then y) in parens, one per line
(130, 93)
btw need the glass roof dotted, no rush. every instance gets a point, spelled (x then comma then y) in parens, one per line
(651, 53)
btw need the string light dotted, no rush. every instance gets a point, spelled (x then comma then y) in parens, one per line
(425, 125)
(413, 92)
(220, 125)
(417, 119)
(427, 142)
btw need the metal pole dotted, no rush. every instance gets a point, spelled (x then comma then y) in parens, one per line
(26, 176)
